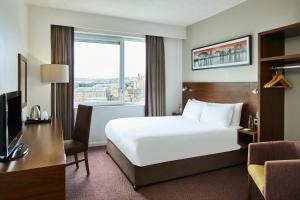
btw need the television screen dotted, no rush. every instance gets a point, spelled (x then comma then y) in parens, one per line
(2, 125)
(14, 116)
(11, 122)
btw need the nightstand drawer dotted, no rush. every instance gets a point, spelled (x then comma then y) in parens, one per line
(176, 113)
(245, 137)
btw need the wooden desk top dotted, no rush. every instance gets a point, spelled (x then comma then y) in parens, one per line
(46, 148)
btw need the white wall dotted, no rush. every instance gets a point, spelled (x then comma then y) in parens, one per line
(13, 40)
(292, 96)
(105, 23)
(40, 20)
(173, 62)
(250, 17)
(103, 114)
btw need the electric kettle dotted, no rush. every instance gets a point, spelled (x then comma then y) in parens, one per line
(35, 112)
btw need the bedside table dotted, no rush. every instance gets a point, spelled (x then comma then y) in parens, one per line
(244, 137)
(176, 113)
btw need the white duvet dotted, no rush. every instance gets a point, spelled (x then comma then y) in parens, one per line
(151, 140)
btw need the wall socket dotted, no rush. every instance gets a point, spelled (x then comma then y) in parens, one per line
(255, 121)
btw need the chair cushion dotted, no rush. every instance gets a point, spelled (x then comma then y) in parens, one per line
(72, 147)
(257, 172)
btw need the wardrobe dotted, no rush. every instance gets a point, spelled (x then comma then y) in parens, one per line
(273, 58)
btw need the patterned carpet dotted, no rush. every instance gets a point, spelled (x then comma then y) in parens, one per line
(107, 182)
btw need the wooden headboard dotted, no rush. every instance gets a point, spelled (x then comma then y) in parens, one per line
(229, 92)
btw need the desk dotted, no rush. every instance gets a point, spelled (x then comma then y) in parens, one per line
(40, 174)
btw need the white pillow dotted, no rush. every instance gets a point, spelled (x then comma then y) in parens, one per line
(219, 114)
(193, 110)
(237, 112)
(201, 104)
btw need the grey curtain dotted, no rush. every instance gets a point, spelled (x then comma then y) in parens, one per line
(62, 52)
(155, 100)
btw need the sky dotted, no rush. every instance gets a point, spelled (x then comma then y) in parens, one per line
(98, 60)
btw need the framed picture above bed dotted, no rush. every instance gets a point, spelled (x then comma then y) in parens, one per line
(235, 52)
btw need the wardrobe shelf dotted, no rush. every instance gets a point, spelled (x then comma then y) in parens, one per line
(287, 59)
(289, 31)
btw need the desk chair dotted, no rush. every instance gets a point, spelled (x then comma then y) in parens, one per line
(80, 138)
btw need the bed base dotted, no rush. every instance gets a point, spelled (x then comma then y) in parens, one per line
(147, 175)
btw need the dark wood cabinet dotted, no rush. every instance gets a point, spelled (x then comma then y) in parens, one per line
(40, 174)
(271, 100)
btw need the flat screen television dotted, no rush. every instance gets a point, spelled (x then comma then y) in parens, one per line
(11, 126)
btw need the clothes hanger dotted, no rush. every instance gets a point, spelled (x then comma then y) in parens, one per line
(274, 78)
(284, 81)
(278, 78)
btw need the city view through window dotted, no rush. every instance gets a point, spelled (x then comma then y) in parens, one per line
(101, 78)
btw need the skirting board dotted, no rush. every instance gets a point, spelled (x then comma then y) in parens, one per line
(97, 143)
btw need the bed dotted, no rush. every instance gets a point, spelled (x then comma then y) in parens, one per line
(153, 149)
(152, 140)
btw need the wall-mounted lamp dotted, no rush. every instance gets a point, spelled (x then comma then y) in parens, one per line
(184, 89)
(255, 91)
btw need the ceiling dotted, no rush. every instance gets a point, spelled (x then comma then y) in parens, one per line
(172, 12)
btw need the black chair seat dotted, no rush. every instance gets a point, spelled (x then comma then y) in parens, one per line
(72, 147)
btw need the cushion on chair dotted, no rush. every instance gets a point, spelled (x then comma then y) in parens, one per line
(257, 172)
(72, 147)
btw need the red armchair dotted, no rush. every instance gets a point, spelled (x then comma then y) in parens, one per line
(275, 168)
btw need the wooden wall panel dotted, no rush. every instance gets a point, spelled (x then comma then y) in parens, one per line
(229, 92)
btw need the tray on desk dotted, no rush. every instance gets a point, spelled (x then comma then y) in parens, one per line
(37, 121)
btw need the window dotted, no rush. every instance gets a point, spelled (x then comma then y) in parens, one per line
(134, 78)
(109, 70)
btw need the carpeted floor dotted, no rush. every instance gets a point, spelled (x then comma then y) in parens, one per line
(108, 182)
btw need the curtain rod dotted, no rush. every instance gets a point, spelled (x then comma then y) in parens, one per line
(103, 31)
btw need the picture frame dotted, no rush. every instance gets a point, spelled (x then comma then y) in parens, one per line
(22, 78)
(231, 53)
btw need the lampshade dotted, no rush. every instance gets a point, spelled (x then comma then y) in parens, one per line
(54, 73)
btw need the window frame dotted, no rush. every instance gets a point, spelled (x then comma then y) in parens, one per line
(105, 39)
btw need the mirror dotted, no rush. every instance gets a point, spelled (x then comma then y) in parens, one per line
(22, 78)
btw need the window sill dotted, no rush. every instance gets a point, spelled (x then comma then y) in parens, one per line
(114, 105)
